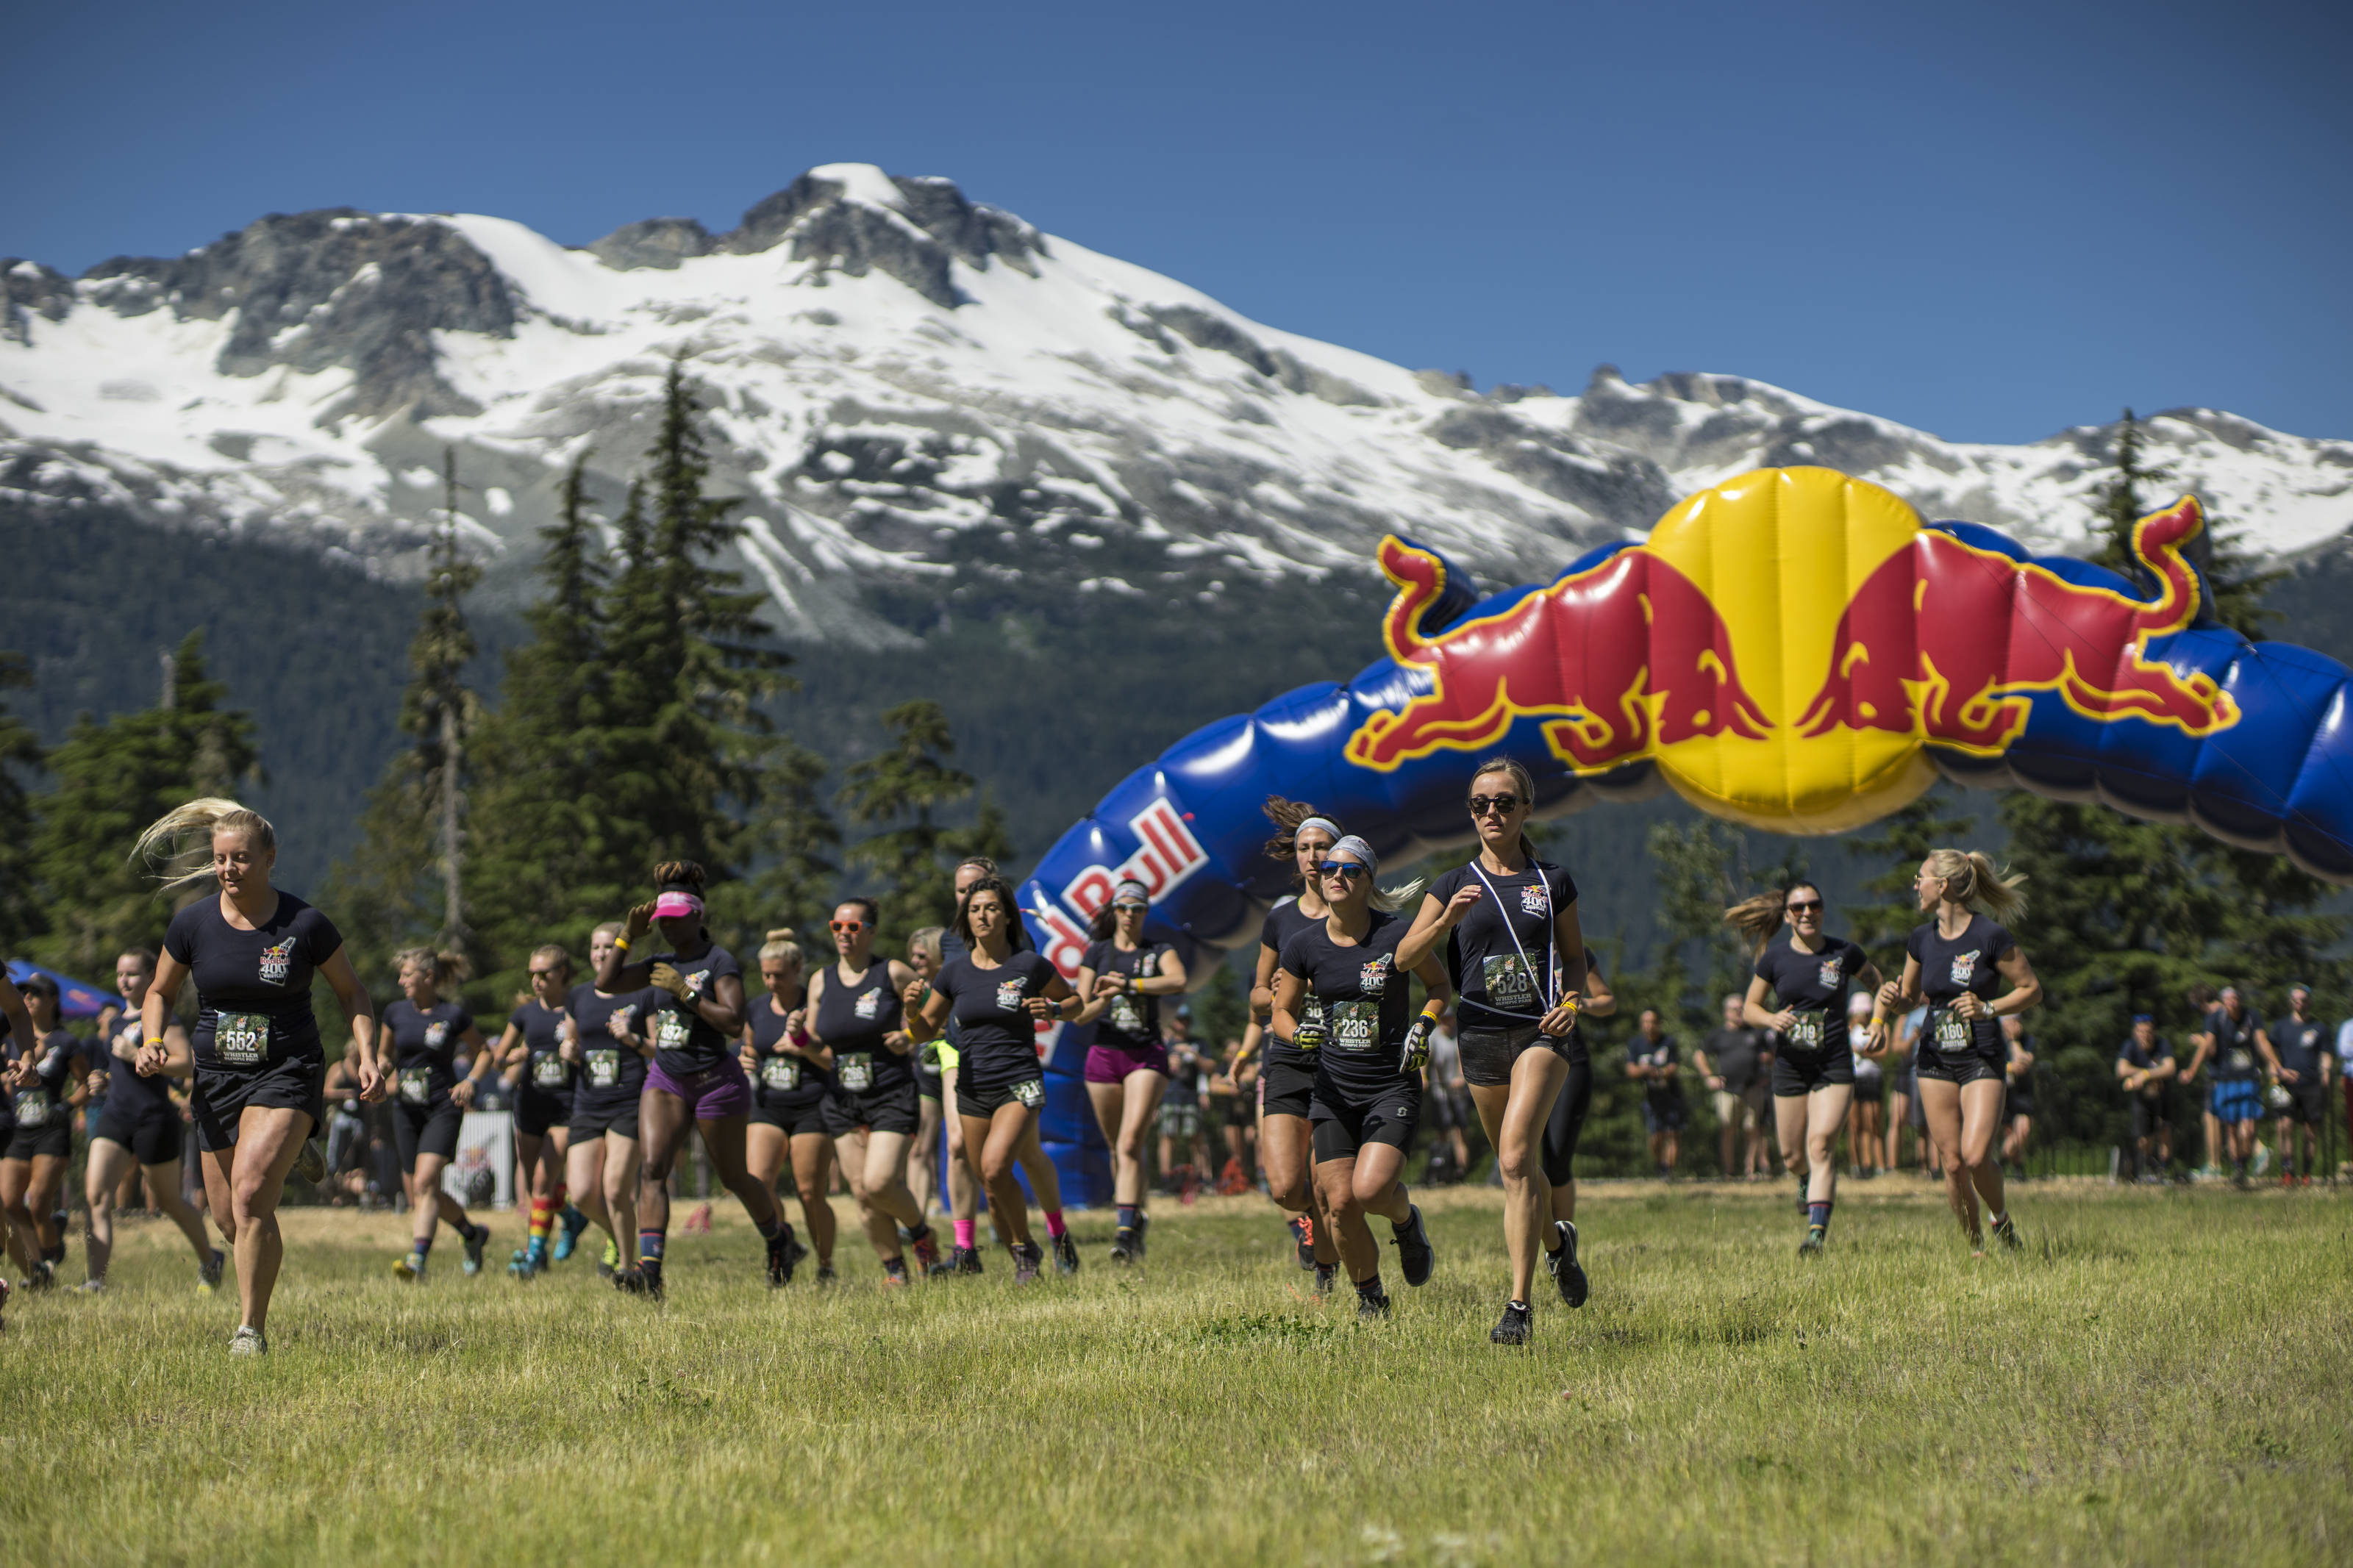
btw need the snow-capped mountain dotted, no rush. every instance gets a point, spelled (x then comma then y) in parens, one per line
(900, 380)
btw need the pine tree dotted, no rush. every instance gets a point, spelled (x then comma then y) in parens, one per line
(1901, 840)
(112, 780)
(20, 753)
(1703, 871)
(905, 782)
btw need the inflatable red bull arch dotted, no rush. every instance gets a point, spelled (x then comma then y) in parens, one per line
(1792, 649)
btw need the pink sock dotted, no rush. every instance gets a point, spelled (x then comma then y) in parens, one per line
(1054, 1224)
(967, 1233)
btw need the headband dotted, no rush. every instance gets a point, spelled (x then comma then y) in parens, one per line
(1325, 823)
(1131, 891)
(1361, 850)
(675, 903)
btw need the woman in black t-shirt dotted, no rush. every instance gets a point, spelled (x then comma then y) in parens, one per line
(1516, 954)
(44, 1086)
(1809, 974)
(855, 1004)
(791, 1082)
(1286, 1079)
(696, 1017)
(1367, 1097)
(1121, 979)
(998, 993)
(261, 1066)
(1960, 961)
(140, 1127)
(532, 1049)
(601, 1162)
(426, 1033)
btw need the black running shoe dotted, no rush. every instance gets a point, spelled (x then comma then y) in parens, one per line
(1517, 1327)
(478, 1236)
(1123, 1245)
(965, 1260)
(1372, 1308)
(1028, 1261)
(825, 1274)
(784, 1253)
(2006, 1229)
(44, 1277)
(649, 1280)
(1302, 1235)
(1066, 1254)
(1143, 1226)
(1566, 1272)
(1415, 1255)
(629, 1281)
(1813, 1245)
(1326, 1276)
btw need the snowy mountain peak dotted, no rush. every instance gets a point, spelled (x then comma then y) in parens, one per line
(919, 395)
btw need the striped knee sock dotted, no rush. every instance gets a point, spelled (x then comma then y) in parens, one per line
(542, 1216)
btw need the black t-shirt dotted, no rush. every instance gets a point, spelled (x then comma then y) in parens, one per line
(253, 987)
(2132, 1056)
(1968, 962)
(852, 1019)
(543, 1067)
(1282, 922)
(1657, 1053)
(128, 1095)
(611, 1073)
(1367, 1005)
(783, 1077)
(1814, 985)
(57, 1058)
(1489, 970)
(1736, 1054)
(999, 1038)
(2300, 1045)
(685, 1043)
(424, 1048)
(1130, 1023)
(2233, 1059)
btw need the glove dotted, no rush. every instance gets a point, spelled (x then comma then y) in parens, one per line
(1417, 1042)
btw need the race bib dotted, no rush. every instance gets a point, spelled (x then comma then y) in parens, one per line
(1805, 1032)
(604, 1068)
(1953, 1037)
(548, 1071)
(33, 1108)
(1031, 1092)
(782, 1073)
(672, 1029)
(1311, 1025)
(856, 1070)
(1507, 981)
(1354, 1026)
(241, 1040)
(416, 1085)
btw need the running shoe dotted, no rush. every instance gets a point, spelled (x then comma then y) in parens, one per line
(825, 1274)
(1029, 1262)
(91, 1287)
(310, 1164)
(567, 1239)
(650, 1282)
(1326, 1276)
(610, 1264)
(784, 1253)
(247, 1341)
(894, 1274)
(1123, 1245)
(2006, 1228)
(522, 1266)
(1302, 1234)
(926, 1248)
(410, 1268)
(208, 1275)
(1372, 1308)
(966, 1260)
(1416, 1257)
(478, 1236)
(1066, 1254)
(1566, 1272)
(43, 1277)
(1517, 1326)
(1813, 1245)
(1142, 1228)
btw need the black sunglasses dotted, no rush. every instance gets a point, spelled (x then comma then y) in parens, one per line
(1348, 869)
(1502, 805)
(1802, 905)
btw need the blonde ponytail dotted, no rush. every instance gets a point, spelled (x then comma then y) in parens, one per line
(1756, 919)
(180, 840)
(446, 969)
(1972, 877)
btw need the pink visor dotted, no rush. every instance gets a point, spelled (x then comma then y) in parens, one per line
(670, 906)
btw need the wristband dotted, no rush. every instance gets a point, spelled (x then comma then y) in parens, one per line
(155, 1039)
(620, 944)
(1433, 1009)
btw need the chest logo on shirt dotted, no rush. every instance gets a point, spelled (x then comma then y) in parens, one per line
(1008, 995)
(1965, 965)
(1831, 968)
(435, 1033)
(869, 1004)
(1373, 979)
(1534, 900)
(277, 960)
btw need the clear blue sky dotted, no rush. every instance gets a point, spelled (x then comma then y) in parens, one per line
(1991, 221)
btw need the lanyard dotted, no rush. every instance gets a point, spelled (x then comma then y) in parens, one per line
(1543, 985)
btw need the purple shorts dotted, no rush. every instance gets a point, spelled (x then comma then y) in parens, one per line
(1112, 1064)
(722, 1090)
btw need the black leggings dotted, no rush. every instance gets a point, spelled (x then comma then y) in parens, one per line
(1566, 1123)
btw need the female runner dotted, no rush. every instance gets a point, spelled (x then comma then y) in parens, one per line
(252, 951)
(1563, 1128)
(1866, 1114)
(430, 1106)
(534, 1044)
(1811, 974)
(791, 1082)
(141, 1130)
(931, 1089)
(696, 1009)
(1515, 955)
(1286, 1082)
(601, 1164)
(44, 1086)
(998, 993)
(1958, 960)
(1121, 979)
(855, 1010)
(1367, 1096)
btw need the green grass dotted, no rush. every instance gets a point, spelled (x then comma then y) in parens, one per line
(2160, 1377)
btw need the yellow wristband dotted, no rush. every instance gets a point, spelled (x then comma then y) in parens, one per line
(620, 944)
(155, 1039)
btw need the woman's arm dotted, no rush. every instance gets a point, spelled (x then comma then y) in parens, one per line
(1051, 998)
(358, 1014)
(897, 1041)
(1262, 998)
(461, 1093)
(1752, 1013)
(2024, 992)
(1432, 922)
(510, 1043)
(617, 973)
(1289, 990)
(1097, 991)
(1169, 982)
(927, 1011)
(1601, 1002)
(1897, 995)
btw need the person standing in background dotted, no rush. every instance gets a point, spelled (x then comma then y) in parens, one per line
(1184, 1151)
(1449, 1098)
(1733, 1062)
(1866, 1112)
(2146, 1068)
(1650, 1062)
(2202, 1002)
(2233, 1040)
(2017, 1113)
(2301, 1043)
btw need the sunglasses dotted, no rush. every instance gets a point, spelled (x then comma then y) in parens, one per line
(1501, 805)
(1348, 869)
(1803, 905)
(544, 973)
(852, 927)
(1139, 908)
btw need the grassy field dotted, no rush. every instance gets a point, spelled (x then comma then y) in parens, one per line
(2160, 1377)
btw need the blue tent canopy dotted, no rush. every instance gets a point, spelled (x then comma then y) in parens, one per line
(74, 999)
